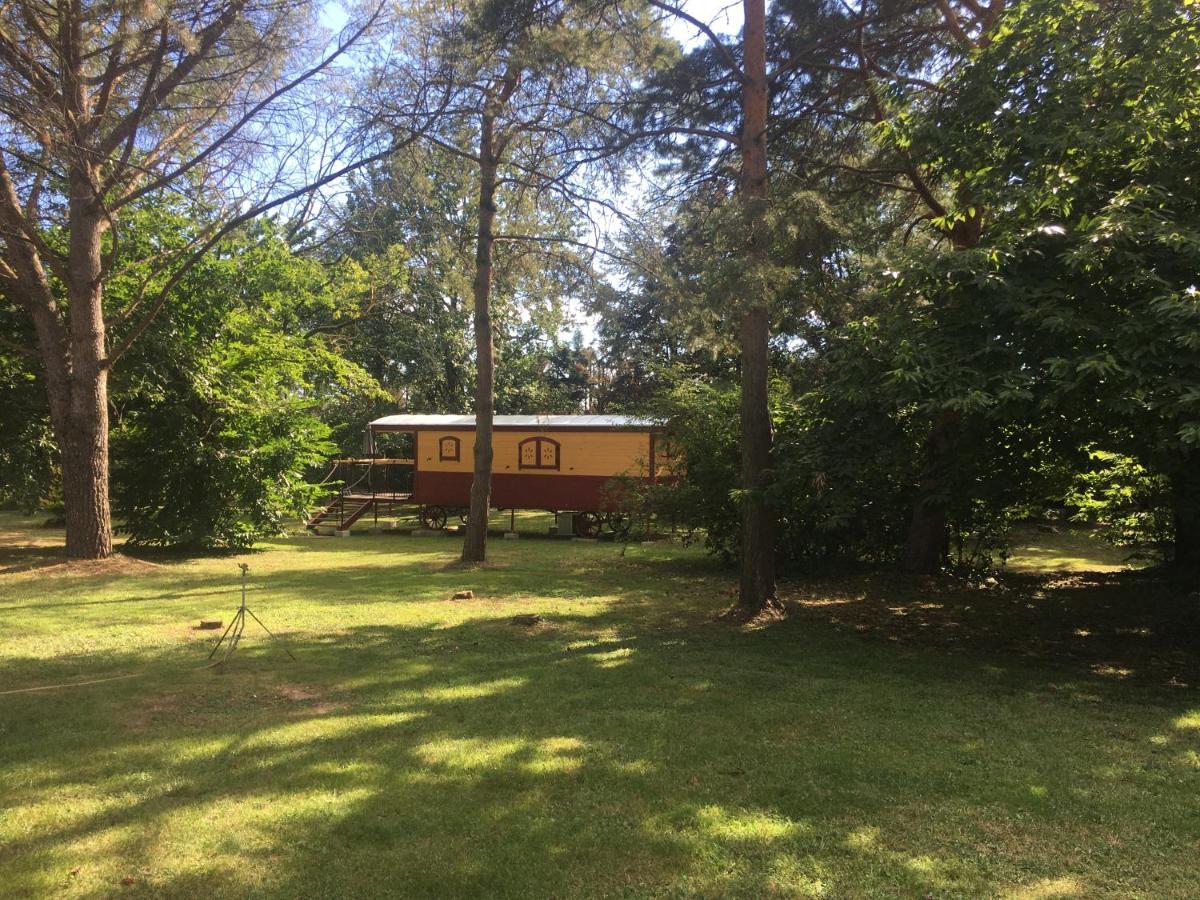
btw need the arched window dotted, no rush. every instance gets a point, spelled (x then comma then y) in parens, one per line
(537, 453)
(449, 449)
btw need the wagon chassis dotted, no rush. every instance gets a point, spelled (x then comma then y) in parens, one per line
(586, 523)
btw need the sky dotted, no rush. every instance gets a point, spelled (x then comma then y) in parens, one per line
(723, 16)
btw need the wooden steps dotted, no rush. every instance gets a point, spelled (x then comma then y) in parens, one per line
(357, 513)
(343, 510)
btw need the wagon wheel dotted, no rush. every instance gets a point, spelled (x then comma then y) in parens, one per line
(462, 512)
(618, 524)
(433, 517)
(586, 524)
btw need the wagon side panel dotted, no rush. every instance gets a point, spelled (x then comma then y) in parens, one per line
(443, 466)
(531, 469)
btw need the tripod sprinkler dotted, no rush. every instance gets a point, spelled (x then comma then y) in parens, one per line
(238, 625)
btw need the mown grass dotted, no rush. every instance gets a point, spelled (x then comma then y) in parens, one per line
(629, 744)
(1038, 551)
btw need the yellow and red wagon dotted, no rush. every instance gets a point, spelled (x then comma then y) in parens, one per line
(558, 463)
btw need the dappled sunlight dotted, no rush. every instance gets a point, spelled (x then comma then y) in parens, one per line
(798, 876)
(1107, 671)
(924, 865)
(1035, 558)
(1189, 721)
(818, 602)
(560, 745)
(329, 728)
(473, 691)
(610, 659)
(267, 807)
(864, 837)
(469, 753)
(635, 767)
(43, 817)
(601, 638)
(1047, 889)
(1036, 552)
(869, 841)
(556, 756)
(745, 825)
(106, 842)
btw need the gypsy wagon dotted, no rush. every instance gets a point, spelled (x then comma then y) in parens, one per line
(561, 464)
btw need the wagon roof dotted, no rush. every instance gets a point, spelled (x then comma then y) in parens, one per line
(540, 423)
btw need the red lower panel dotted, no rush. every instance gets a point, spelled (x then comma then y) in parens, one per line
(584, 492)
(442, 488)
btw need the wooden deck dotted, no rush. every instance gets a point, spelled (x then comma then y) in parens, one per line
(374, 461)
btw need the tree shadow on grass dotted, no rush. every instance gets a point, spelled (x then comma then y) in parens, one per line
(591, 755)
(1140, 626)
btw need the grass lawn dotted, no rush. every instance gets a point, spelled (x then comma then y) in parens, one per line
(890, 738)
(1066, 549)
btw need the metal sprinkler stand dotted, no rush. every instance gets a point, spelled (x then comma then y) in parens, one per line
(238, 625)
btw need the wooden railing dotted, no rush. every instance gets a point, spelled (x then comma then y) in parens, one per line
(378, 461)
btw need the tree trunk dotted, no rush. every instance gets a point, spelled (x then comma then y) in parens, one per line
(756, 589)
(1185, 502)
(475, 543)
(72, 353)
(928, 541)
(928, 538)
(84, 449)
(83, 430)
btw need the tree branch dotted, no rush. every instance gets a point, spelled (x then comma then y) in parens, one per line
(230, 132)
(238, 220)
(722, 49)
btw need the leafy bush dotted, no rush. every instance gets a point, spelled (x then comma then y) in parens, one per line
(28, 454)
(844, 476)
(843, 480)
(217, 421)
(207, 475)
(1125, 503)
(837, 486)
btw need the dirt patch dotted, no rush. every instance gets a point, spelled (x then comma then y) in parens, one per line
(201, 705)
(160, 707)
(772, 611)
(459, 565)
(522, 623)
(46, 561)
(298, 692)
(25, 547)
(306, 699)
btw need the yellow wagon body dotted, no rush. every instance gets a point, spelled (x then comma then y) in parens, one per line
(538, 462)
